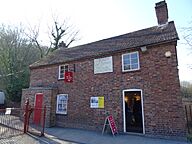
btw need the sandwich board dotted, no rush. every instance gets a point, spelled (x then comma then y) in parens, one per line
(109, 121)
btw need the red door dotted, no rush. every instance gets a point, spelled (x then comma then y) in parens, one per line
(38, 108)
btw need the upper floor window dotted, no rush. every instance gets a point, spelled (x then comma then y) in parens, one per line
(130, 61)
(62, 70)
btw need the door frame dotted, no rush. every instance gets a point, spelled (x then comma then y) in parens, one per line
(124, 119)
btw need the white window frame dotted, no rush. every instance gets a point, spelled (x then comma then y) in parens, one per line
(63, 105)
(130, 62)
(59, 75)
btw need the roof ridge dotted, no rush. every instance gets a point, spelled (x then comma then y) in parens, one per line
(148, 36)
(91, 43)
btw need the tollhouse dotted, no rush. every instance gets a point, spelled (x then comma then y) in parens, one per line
(133, 77)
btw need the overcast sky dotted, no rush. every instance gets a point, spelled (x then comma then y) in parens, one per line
(99, 19)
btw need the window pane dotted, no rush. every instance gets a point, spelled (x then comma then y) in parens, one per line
(61, 75)
(61, 68)
(127, 67)
(134, 66)
(61, 71)
(127, 56)
(134, 56)
(134, 61)
(126, 62)
(126, 59)
(66, 68)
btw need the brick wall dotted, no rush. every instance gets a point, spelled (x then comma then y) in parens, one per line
(49, 97)
(158, 79)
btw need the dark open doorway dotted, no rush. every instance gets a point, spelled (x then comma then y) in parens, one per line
(133, 111)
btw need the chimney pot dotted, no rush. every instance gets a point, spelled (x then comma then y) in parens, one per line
(62, 45)
(161, 12)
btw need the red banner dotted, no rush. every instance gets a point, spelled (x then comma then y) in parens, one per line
(68, 77)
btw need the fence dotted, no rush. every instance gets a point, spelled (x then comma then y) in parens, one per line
(16, 121)
(11, 123)
(188, 113)
(34, 119)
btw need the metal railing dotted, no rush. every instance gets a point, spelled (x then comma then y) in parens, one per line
(34, 119)
(16, 121)
(11, 122)
(188, 113)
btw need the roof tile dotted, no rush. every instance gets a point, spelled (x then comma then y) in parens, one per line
(148, 36)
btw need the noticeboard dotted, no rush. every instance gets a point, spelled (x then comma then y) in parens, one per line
(97, 102)
(103, 65)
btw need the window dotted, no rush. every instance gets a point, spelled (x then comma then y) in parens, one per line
(62, 70)
(62, 100)
(130, 61)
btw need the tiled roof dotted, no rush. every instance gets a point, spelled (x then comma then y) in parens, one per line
(144, 37)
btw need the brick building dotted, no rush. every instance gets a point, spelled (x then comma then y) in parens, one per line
(133, 76)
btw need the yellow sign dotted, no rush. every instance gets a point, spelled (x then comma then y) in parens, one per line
(101, 102)
(97, 102)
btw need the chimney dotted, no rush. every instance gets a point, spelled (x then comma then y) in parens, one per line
(161, 12)
(62, 45)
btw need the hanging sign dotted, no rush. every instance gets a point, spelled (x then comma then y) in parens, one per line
(68, 77)
(111, 122)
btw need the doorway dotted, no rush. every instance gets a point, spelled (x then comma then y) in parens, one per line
(133, 111)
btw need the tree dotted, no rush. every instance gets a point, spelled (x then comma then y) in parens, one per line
(186, 89)
(16, 54)
(188, 36)
(61, 35)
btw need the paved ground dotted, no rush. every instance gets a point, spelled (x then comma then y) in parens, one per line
(21, 139)
(89, 137)
(75, 136)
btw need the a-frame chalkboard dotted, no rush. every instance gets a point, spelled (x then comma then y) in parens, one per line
(109, 121)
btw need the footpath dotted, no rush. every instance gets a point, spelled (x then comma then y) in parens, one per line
(58, 135)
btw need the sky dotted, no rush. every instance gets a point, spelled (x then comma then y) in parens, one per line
(100, 19)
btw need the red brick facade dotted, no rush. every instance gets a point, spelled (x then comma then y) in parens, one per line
(157, 78)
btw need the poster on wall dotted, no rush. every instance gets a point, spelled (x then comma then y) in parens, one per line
(97, 102)
(103, 65)
(62, 100)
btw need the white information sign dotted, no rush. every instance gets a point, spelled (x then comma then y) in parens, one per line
(62, 100)
(103, 65)
(97, 102)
